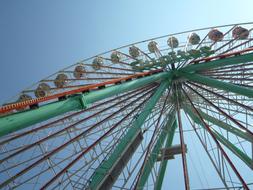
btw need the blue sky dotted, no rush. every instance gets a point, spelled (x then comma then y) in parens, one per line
(38, 38)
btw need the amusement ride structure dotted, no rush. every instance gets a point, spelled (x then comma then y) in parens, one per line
(116, 120)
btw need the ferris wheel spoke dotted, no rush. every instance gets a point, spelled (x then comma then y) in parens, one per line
(218, 144)
(219, 163)
(98, 73)
(67, 128)
(233, 80)
(237, 46)
(146, 128)
(80, 101)
(182, 144)
(62, 119)
(163, 164)
(223, 97)
(230, 74)
(203, 142)
(130, 170)
(131, 134)
(222, 124)
(249, 133)
(219, 84)
(66, 143)
(88, 148)
(87, 165)
(113, 68)
(147, 164)
(243, 69)
(113, 116)
(94, 79)
(232, 59)
(135, 92)
(233, 68)
(106, 150)
(119, 62)
(240, 154)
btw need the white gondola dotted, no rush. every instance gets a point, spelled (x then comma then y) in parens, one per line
(193, 38)
(60, 80)
(215, 35)
(152, 47)
(24, 97)
(42, 90)
(134, 51)
(79, 72)
(240, 33)
(173, 42)
(97, 63)
(115, 57)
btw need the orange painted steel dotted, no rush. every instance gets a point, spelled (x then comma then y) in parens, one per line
(24, 104)
(20, 105)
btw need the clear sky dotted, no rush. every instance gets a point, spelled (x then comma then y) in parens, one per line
(38, 38)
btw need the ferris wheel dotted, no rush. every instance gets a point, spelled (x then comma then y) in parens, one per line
(118, 119)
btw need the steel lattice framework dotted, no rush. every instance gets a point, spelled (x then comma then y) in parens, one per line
(114, 120)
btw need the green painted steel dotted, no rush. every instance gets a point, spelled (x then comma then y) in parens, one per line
(245, 158)
(219, 63)
(223, 125)
(163, 166)
(24, 119)
(21, 120)
(102, 170)
(229, 87)
(155, 152)
(120, 88)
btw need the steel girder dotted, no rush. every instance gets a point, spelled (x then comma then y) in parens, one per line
(245, 158)
(14, 122)
(101, 172)
(229, 87)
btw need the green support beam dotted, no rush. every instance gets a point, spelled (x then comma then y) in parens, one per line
(229, 87)
(245, 158)
(101, 172)
(240, 133)
(163, 166)
(219, 63)
(170, 126)
(17, 121)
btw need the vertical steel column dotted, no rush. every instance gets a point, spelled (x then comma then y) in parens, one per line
(155, 151)
(156, 129)
(182, 144)
(163, 165)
